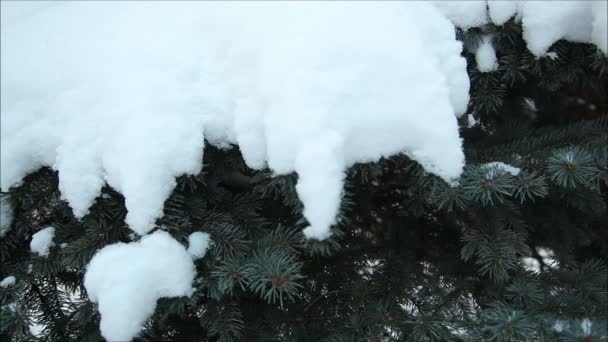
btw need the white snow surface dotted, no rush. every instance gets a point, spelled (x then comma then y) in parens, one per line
(126, 280)
(42, 241)
(8, 281)
(485, 55)
(544, 22)
(198, 244)
(464, 13)
(125, 93)
(500, 11)
(6, 217)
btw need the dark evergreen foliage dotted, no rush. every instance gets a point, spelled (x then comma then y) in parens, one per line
(411, 258)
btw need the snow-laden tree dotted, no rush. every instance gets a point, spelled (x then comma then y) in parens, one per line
(300, 171)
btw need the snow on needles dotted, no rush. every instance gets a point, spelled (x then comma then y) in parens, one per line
(8, 281)
(125, 93)
(198, 243)
(126, 280)
(42, 241)
(544, 22)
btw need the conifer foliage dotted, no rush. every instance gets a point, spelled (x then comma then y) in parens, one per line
(511, 253)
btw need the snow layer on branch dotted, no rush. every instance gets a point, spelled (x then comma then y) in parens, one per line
(8, 281)
(500, 11)
(493, 166)
(126, 93)
(42, 241)
(464, 13)
(198, 244)
(126, 280)
(544, 22)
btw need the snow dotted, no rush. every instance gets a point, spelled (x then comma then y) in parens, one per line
(6, 217)
(530, 264)
(530, 104)
(125, 93)
(471, 122)
(552, 54)
(586, 326)
(485, 55)
(464, 13)
(198, 244)
(126, 280)
(42, 241)
(500, 11)
(544, 22)
(502, 166)
(539, 20)
(8, 281)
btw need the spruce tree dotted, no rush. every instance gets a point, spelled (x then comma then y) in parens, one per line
(514, 252)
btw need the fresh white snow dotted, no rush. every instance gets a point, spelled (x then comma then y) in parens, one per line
(8, 281)
(126, 280)
(485, 55)
(464, 13)
(500, 11)
(198, 244)
(544, 22)
(125, 93)
(42, 241)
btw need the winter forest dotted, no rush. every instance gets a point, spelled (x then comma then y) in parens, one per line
(193, 171)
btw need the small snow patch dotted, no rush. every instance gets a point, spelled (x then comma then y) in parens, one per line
(471, 122)
(8, 281)
(42, 241)
(552, 54)
(501, 166)
(198, 243)
(485, 56)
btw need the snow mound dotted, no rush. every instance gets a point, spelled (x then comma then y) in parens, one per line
(544, 22)
(125, 93)
(126, 280)
(8, 281)
(42, 241)
(198, 244)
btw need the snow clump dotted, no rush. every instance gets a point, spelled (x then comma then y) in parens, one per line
(42, 241)
(126, 280)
